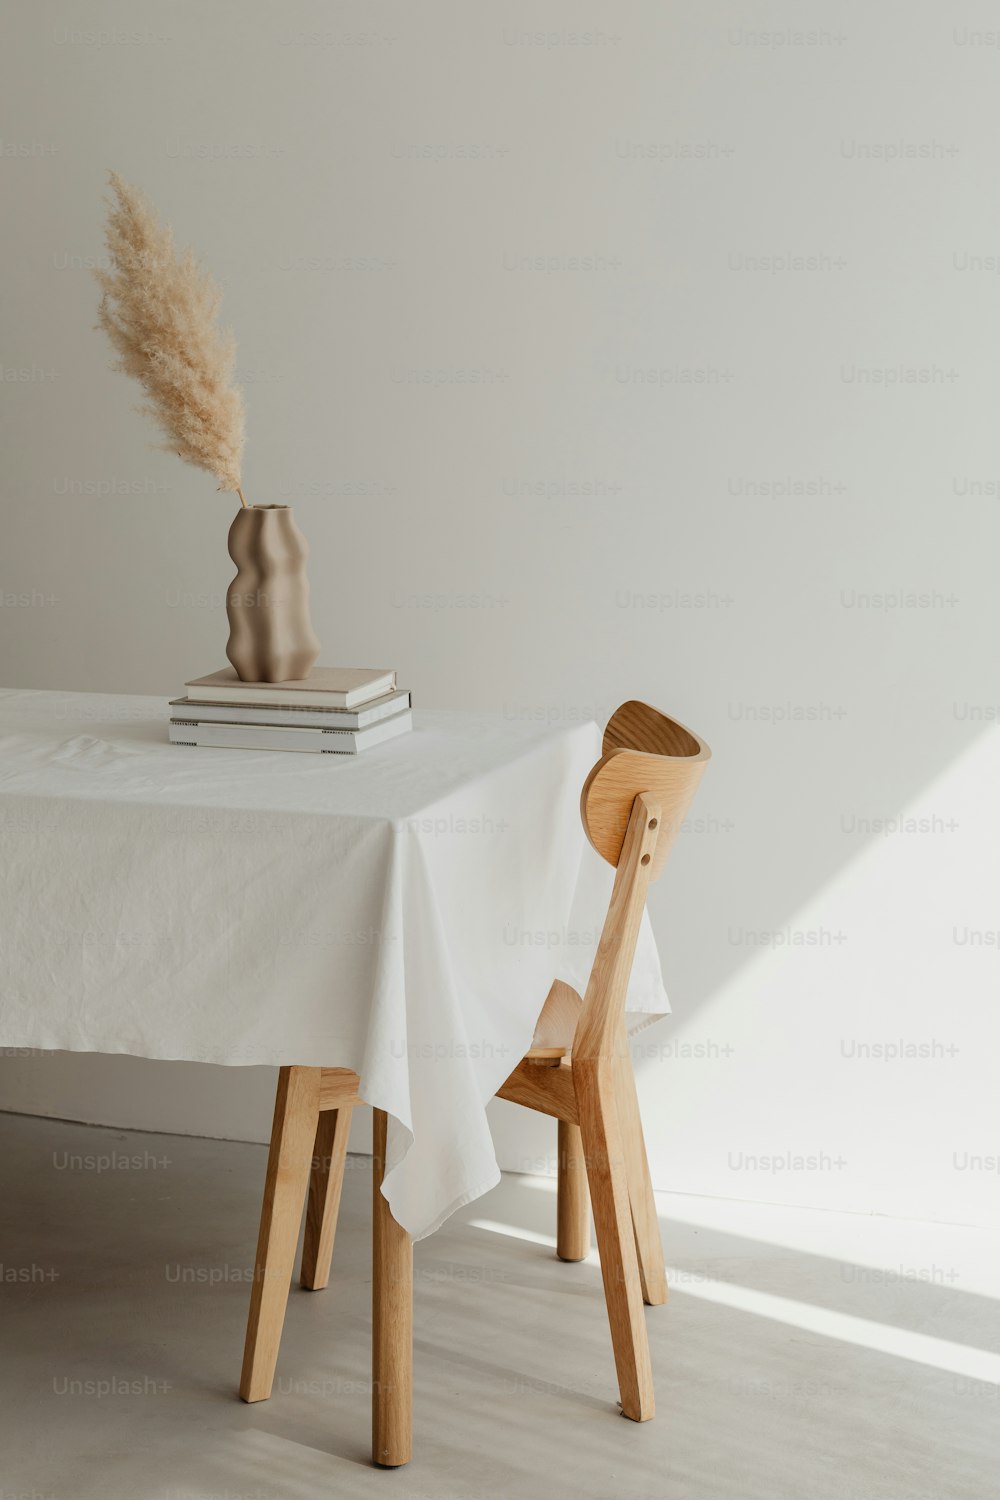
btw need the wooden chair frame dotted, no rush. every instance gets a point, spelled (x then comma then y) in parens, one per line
(632, 805)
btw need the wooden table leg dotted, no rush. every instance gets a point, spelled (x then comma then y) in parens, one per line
(326, 1183)
(392, 1321)
(296, 1111)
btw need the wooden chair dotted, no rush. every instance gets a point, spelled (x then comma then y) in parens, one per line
(579, 1070)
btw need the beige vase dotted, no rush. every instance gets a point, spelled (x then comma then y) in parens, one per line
(271, 638)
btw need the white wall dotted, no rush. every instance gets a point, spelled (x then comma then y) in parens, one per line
(680, 472)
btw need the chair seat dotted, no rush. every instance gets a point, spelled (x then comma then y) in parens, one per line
(556, 1025)
(546, 1056)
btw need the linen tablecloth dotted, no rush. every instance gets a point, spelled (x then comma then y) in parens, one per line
(401, 913)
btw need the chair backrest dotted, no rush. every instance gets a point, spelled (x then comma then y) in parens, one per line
(644, 751)
(632, 804)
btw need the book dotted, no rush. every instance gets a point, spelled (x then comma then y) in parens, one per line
(302, 718)
(325, 687)
(278, 737)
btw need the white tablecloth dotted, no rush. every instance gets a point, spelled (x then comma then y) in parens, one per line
(401, 913)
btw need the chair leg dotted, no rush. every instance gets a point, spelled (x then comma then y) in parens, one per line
(392, 1321)
(649, 1246)
(602, 1143)
(296, 1111)
(326, 1181)
(573, 1198)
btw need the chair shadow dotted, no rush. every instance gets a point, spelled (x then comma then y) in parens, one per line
(919, 1304)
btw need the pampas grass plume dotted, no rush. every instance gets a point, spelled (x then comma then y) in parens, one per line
(160, 310)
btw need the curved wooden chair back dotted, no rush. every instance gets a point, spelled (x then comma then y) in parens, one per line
(632, 804)
(644, 751)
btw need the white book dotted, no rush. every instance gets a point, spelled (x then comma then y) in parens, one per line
(325, 687)
(300, 718)
(276, 737)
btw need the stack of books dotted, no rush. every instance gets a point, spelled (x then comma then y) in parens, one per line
(333, 711)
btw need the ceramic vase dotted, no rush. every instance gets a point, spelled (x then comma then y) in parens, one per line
(271, 638)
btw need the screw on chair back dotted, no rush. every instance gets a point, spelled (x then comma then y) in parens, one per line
(633, 804)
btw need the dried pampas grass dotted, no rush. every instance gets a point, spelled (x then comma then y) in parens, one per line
(159, 310)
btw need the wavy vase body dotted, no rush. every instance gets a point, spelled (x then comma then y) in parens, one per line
(271, 638)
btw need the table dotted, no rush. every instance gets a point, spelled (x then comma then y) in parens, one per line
(401, 913)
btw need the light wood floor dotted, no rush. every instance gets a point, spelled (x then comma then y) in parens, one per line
(793, 1358)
